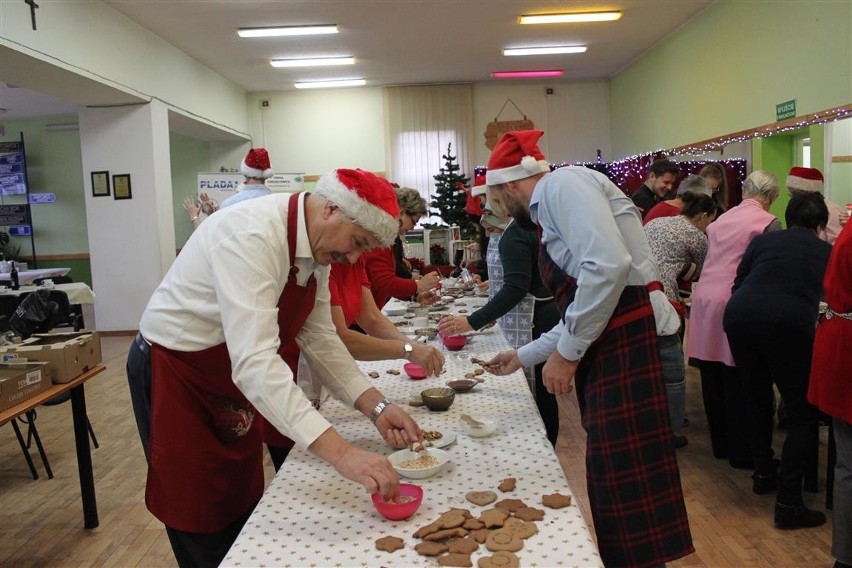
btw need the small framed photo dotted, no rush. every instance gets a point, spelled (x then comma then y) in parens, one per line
(100, 184)
(121, 186)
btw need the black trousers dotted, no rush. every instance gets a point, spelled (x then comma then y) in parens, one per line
(724, 406)
(191, 550)
(775, 354)
(545, 317)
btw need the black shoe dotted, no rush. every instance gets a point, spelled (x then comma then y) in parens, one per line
(797, 517)
(680, 441)
(763, 484)
(741, 463)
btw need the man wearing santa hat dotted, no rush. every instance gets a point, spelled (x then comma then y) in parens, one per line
(206, 365)
(810, 180)
(255, 166)
(595, 259)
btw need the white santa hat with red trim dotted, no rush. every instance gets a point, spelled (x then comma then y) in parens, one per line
(805, 179)
(516, 156)
(256, 164)
(366, 198)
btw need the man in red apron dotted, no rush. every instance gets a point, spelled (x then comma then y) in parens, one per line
(205, 368)
(596, 260)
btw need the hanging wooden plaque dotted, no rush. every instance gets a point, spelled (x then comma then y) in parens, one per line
(495, 130)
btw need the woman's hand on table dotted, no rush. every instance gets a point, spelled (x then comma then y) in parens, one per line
(371, 470)
(453, 325)
(558, 374)
(428, 282)
(397, 427)
(504, 363)
(431, 359)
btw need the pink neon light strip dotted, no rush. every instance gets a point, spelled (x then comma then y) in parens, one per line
(526, 74)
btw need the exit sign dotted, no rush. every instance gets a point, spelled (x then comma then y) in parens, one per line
(786, 110)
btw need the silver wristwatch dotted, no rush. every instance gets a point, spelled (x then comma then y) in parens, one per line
(407, 351)
(380, 407)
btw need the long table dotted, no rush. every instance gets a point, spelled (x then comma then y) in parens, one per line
(81, 435)
(310, 516)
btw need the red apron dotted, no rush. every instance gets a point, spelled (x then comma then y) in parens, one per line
(206, 460)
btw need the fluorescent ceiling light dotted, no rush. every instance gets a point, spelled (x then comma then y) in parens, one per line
(570, 18)
(544, 50)
(330, 84)
(316, 62)
(286, 31)
(527, 74)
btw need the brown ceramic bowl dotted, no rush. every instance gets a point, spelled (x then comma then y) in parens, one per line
(462, 385)
(439, 398)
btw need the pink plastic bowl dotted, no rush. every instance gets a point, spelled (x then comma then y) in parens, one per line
(410, 493)
(415, 371)
(455, 342)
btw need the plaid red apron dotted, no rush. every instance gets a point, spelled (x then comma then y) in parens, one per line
(206, 459)
(631, 466)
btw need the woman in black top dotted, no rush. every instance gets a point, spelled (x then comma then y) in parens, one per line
(770, 323)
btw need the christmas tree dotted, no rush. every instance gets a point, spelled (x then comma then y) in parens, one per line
(450, 198)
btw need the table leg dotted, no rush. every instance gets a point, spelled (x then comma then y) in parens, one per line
(84, 457)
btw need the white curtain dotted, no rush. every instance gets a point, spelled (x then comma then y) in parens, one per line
(420, 122)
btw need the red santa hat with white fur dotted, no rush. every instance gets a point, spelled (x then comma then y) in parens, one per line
(516, 156)
(366, 198)
(805, 179)
(256, 164)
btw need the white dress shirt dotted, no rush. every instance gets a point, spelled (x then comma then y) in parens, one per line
(224, 288)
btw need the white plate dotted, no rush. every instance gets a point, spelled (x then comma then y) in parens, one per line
(447, 438)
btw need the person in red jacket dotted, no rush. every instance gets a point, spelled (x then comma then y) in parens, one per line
(381, 263)
(830, 387)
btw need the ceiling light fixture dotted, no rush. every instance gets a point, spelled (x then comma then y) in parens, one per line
(544, 50)
(527, 74)
(570, 18)
(316, 62)
(330, 84)
(286, 31)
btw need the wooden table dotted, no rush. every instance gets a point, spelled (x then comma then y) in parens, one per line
(81, 435)
(311, 516)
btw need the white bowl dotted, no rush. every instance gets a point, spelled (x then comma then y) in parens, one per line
(401, 456)
(488, 428)
(396, 310)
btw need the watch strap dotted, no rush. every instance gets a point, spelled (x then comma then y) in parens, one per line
(380, 407)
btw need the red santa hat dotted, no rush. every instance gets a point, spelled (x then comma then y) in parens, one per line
(256, 164)
(366, 198)
(805, 179)
(516, 156)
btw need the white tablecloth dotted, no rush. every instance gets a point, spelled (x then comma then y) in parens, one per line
(78, 292)
(310, 516)
(27, 276)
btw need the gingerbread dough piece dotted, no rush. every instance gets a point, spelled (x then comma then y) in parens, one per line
(510, 505)
(463, 545)
(507, 484)
(501, 559)
(481, 498)
(556, 500)
(493, 517)
(429, 548)
(455, 559)
(447, 533)
(529, 514)
(503, 539)
(390, 543)
(479, 535)
(473, 525)
(523, 529)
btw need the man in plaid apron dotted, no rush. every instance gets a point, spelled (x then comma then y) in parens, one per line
(596, 260)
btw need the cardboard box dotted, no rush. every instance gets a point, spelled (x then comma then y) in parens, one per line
(20, 381)
(69, 354)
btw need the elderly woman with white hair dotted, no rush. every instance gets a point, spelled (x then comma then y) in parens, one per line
(727, 239)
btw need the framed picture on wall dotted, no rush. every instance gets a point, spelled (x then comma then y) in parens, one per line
(100, 184)
(121, 186)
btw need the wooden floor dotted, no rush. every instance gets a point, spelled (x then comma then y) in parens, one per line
(41, 521)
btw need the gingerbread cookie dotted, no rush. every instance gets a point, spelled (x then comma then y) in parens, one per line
(523, 529)
(374, 374)
(507, 485)
(463, 545)
(390, 543)
(556, 500)
(429, 548)
(493, 517)
(529, 514)
(446, 533)
(473, 525)
(501, 559)
(503, 539)
(510, 505)
(480, 498)
(455, 559)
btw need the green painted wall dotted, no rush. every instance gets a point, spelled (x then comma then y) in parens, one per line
(725, 70)
(189, 156)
